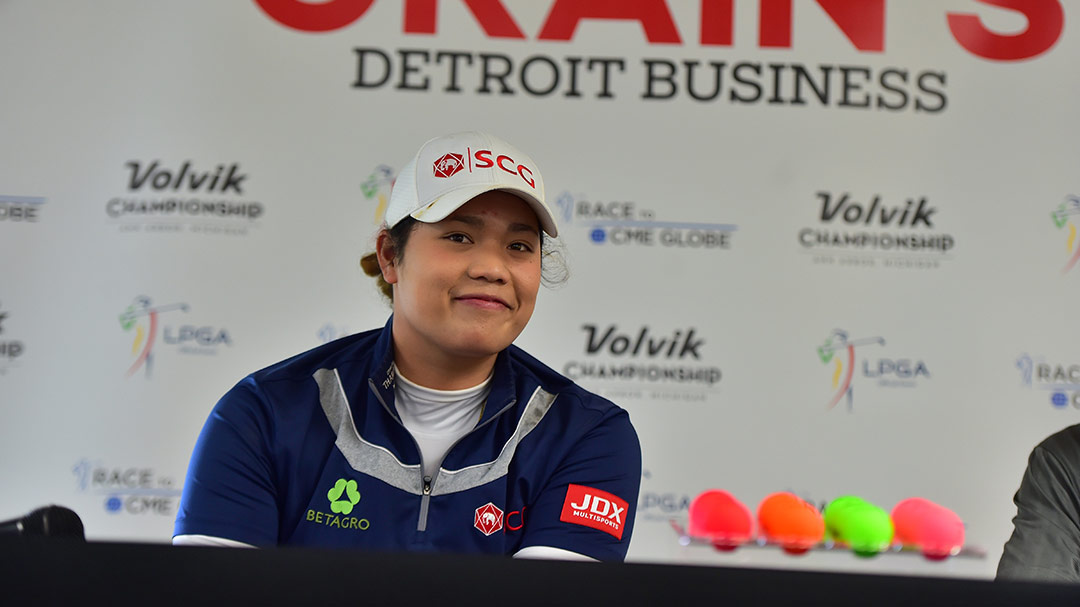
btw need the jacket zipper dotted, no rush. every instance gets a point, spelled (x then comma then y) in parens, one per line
(425, 501)
(427, 481)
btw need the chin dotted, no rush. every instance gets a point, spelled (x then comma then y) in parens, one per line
(480, 343)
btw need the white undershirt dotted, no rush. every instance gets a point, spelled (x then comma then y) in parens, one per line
(438, 418)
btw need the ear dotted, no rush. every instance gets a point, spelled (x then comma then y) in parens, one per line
(385, 252)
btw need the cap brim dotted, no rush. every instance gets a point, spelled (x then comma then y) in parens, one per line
(446, 204)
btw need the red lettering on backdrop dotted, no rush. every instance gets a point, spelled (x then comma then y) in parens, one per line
(492, 16)
(306, 17)
(1045, 18)
(862, 22)
(653, 14)
(718, 22)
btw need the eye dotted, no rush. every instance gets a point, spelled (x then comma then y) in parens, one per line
(457, 237)
(524, 247)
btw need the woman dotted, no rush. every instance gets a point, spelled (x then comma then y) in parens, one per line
(434, 432)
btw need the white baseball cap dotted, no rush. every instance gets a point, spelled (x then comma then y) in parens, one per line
(451, 170)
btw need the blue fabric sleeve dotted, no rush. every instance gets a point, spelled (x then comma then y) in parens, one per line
(607, 458)
(229, 491)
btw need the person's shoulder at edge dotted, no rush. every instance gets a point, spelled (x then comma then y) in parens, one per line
(1065, 441)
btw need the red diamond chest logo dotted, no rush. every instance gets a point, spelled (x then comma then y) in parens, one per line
(448, 165)
(488, 519)
(594, 508)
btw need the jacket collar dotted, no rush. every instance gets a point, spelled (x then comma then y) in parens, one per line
(503, 393)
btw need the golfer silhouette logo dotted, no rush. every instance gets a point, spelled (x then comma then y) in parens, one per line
(843, 370)
(142, 317)
(1069, 206)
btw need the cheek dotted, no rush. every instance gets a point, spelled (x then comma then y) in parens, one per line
(528, 286)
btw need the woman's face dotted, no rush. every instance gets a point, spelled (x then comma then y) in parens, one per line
(466, 286)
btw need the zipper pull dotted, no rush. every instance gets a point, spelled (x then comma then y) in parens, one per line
(427, 485)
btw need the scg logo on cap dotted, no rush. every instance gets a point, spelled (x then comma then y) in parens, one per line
(448, 165)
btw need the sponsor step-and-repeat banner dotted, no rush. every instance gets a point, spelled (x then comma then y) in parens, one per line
(822, 246)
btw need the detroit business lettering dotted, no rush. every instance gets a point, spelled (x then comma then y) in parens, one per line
(576, 77)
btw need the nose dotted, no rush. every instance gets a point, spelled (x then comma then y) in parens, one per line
(488, 263)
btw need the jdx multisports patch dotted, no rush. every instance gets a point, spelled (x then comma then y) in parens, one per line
(594, 508)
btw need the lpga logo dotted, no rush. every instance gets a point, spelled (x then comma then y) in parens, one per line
(884, 372)
(142, 317)
(1069, 206)
(838, 342)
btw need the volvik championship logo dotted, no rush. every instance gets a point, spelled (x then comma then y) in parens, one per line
(838, 354)
(642, 362)
(136, 490)
(1061, 380)
(20, 209)
(627, 224)
(1064, 217)
(840, 84)
(10, 349)
(873, 232)
(142, 319)
(184, 198)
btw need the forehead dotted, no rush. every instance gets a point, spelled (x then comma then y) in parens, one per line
(498, 207)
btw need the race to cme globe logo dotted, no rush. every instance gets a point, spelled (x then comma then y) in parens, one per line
(861, 21)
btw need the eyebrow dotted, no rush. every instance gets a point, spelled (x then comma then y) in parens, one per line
(475, 221)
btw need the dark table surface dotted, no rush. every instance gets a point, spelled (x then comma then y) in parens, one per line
(37, 572)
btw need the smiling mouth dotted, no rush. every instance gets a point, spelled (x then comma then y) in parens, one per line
(487, 302)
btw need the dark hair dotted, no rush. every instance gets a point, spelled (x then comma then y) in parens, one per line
(553, 269)
(399, 235)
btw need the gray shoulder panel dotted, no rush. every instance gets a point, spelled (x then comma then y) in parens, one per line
(362, 455)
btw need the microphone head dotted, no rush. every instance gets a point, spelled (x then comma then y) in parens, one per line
(859, 524)
(934, 529)
(53, 521)
(717, 516)
(790, 521)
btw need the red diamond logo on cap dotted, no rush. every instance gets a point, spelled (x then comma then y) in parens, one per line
(448, 165)
(489, 518)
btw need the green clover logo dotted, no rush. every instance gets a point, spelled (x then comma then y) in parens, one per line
(343, 506)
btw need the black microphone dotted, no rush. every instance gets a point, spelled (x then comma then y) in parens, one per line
(50, 521)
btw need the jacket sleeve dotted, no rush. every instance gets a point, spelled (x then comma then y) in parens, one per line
(587, 506)
(229, 491)
(1045, 543)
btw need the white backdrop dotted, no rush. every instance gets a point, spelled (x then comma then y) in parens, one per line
(186, 189)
